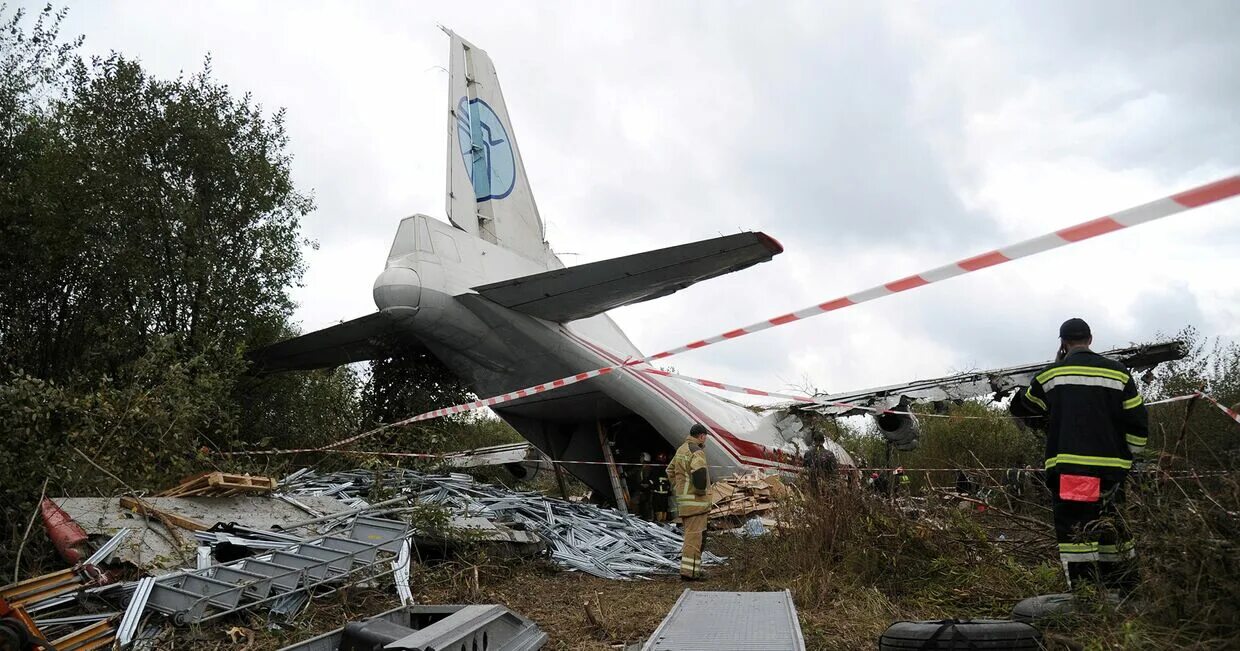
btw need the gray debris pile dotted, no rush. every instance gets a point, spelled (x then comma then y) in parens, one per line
(582, 537)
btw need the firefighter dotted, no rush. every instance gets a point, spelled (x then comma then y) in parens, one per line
(1096, 424)
(821, 466)
(662, 489)
(690, 480)
(904, 484)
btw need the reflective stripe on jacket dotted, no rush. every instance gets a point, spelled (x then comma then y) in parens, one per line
(690, 458)
(1097, 420)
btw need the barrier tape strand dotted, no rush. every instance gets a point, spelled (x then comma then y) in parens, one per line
(1193, 198)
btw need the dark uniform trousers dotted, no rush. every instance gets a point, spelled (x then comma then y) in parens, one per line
(1095, 544)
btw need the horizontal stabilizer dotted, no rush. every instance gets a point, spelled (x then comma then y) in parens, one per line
(589, 289)
(374, 336)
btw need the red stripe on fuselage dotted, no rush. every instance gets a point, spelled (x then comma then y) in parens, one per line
(745, 453)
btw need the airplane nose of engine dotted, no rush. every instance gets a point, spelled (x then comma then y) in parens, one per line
(398, 289)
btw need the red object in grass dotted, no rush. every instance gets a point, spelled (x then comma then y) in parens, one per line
(68, 536)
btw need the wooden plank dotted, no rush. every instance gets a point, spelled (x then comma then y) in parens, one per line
(191, 483)
(247, 483)
(142, 508)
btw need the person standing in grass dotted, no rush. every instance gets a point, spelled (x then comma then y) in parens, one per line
(690, 479)
(1096, 425)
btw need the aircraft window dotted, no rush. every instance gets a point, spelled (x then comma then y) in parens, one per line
(445, 246)
(424, 236)
(404, 242)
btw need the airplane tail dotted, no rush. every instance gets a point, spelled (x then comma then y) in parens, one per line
(489, 195)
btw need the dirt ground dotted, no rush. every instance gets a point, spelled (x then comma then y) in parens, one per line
(577, 611)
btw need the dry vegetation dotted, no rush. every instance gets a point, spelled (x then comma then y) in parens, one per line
(855, 563)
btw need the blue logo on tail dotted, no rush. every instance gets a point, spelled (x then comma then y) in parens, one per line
(486, 150)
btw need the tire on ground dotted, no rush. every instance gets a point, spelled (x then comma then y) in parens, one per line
(1047, 606)
(966, 635)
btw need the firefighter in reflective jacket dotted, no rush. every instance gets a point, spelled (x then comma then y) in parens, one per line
(1096, 424)
(690, 481)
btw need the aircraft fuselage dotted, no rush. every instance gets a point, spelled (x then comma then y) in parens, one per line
(426, 284)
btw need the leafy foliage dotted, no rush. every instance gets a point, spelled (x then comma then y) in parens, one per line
(407, 384)
(150, 232)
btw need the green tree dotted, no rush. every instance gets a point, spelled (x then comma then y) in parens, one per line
(149, 233)
(406, 385)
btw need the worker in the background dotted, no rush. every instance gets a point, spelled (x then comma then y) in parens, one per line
(662, 491)
(879, 483)
(690, 480)
(1096, 425)
(903, 484)
(821, 466)
(640, 480)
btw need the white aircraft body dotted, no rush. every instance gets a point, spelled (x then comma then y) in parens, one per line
(488, 298)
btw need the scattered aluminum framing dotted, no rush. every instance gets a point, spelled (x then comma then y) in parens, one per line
(434, 627)
(269, 580)
(581, 537)
(70, 620)
(133, 612)
(105, 550)
(733, 620)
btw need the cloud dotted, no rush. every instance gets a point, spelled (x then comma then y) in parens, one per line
(874, 140)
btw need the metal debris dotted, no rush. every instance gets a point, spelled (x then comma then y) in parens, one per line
(133, 612)
(581, 537)
(105, 550)
(434, 627)
(400, 574)
(733, 620)
(274, 579)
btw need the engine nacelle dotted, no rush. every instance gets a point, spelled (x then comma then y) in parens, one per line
(900, 430)
(523, 471)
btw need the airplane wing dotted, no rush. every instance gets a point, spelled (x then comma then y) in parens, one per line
(996, 382)
(585, 290)
(374, 336)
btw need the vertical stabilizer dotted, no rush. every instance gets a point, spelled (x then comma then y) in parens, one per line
(488, 192)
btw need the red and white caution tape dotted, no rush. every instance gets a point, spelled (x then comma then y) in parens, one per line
(734, 388)
(1187, 396)
(479, 404)
(1167, 206)
(1194, 198)
(447, 411)
(723, 386)
(1231, 413)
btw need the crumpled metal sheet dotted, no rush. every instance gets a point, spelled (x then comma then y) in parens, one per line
(581, 537)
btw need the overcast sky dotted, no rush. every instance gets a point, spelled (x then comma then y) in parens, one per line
(873, 139)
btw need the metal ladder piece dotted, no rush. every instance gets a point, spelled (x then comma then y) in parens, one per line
(196, 596)
(702, 621)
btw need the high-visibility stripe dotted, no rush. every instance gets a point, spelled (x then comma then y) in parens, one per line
(1115, 549)
(1095, 371)
(1078, 548)
(1133, 402)
(1081, 460)
(1034, 399)
(1115, 553)
(1082, 381)
(1136, 440)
